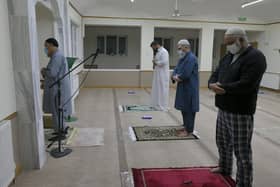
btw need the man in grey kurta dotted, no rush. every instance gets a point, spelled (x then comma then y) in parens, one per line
(187, 95)
(55, 69)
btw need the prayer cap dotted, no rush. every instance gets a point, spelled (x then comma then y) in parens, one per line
(184, 42)
(236, 32)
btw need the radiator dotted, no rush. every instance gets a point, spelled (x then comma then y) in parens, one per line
(7, 164)
(271, 80)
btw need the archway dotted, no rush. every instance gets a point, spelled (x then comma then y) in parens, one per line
(49, 23)
(45, 29)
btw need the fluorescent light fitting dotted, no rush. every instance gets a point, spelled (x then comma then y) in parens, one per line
(251, 3)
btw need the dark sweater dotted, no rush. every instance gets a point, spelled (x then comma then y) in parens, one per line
(241, 80)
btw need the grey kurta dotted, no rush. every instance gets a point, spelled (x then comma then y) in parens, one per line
(56, 68)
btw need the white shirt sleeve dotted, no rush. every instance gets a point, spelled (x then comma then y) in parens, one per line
(162, 58)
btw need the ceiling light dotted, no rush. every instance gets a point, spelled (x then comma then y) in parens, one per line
(251, 3)
(132, 1)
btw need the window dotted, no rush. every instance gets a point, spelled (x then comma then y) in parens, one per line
(114, 45)
(111, 45)
(194, 45)
(123, 46)
(159, 40)
(74, 36)
(101, 44)
(166, 43)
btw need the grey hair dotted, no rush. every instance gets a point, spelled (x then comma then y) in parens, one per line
(184, 43)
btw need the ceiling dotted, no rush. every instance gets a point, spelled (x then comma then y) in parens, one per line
(210, 10)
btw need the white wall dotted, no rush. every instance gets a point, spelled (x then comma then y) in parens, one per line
(176, 35)
(7, 93)
(267, 37)
(77, 19)
(45, 30)
(114, 62)
(148, 25)
(271, 47)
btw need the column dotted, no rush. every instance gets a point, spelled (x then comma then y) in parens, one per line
(206, 49)
(29, 125)
(147, 36)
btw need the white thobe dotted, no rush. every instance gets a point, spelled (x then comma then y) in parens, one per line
(160, 87)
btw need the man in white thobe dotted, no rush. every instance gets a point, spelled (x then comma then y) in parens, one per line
(160, 87)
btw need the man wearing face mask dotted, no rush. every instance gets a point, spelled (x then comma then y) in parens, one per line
(236, 83)
(187, 95)
(55, 69)
(160, 87)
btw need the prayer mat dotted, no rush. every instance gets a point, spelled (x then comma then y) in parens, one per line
(49, 134)
(136, 108)
(162, 133)
(87, 137)
(131, 92)
(71, 119)
(180, 177)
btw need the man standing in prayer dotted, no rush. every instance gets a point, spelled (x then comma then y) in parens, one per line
(55, 69)
(160, 87)
(187, 95)
(236, 83)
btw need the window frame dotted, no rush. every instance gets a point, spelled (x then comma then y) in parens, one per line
(105, 44)
(74, 38)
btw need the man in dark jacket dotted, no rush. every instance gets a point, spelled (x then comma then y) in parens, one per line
(236, 83)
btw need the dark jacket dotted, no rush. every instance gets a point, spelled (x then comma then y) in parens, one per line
(241, 80)
(187, 95)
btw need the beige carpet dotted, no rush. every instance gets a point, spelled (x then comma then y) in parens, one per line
(86, 137)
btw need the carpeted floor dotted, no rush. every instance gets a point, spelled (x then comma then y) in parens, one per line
(180, 177)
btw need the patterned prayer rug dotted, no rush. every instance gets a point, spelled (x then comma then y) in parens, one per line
(136, 108)
(162, 133)
(180, 177)
(49, 134)
(79, 137)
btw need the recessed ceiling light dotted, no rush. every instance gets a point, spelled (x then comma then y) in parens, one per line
(251, 3)
(132, 1)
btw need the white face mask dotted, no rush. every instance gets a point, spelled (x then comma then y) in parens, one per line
(46, 51)
(233, 48)
(181, 53)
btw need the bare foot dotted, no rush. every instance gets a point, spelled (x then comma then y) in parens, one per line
(181, 130)
(182, 133)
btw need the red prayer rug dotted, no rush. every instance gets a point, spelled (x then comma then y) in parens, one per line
(180, 177)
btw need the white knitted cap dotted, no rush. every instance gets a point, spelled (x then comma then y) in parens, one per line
(236, 32)
(184, 42)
